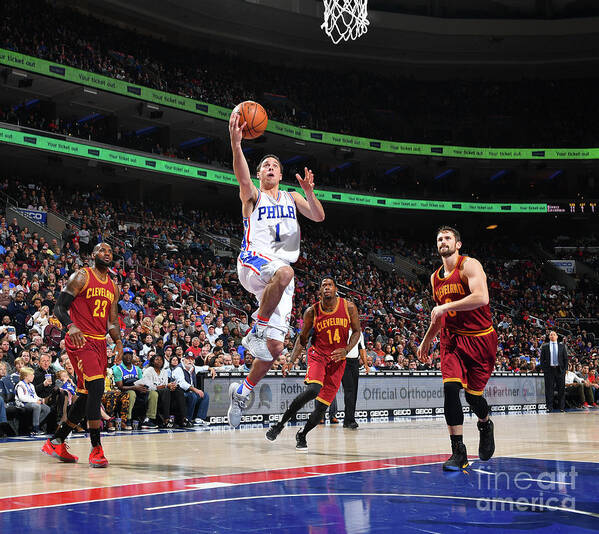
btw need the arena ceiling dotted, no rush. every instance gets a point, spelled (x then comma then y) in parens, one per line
(422, 46)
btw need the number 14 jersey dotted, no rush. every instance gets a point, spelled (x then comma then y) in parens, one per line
(331, 329)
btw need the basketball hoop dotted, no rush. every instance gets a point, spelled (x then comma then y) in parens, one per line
(345, 19)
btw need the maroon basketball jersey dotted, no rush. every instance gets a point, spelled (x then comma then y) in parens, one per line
(331, 329)
(452, 288)
(91, 307)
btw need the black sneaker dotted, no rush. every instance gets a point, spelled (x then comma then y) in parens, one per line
(273, 432)
(300, 441)
(352, 425)
(458, 460)
(148, 423)
(486, 445)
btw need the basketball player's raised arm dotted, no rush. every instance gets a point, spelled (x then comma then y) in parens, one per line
(113, 326)
(75, 284)
(433, 329)
(247, 190)
(302, 340)
(356, 330)
(310, 206)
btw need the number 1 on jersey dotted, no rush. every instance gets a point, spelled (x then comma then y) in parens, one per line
(278, 236)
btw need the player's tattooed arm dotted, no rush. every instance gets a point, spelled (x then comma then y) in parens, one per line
(113, 327)
(75, 284)
(301, 340)
(341, 354)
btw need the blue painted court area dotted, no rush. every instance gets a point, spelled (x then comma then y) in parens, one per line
(504, 494)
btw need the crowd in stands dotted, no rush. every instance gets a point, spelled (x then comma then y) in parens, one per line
(458, 112)
(183, 309)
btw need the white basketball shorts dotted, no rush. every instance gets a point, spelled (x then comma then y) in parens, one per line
(255, 271)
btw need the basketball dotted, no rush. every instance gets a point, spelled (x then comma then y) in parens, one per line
(255, 117)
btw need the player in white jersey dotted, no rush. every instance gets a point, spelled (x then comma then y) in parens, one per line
(270, 244)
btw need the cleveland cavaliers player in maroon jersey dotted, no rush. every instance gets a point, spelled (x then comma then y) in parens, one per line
(330, 321)
(87, 306)
(468, 343)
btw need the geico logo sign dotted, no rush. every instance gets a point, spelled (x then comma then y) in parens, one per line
(466, 409)
(274, 417)
(513, 407)
(252, 418)
(341, 414)
(362, 414)
(405, 411)
(439, 410)
(529, 407)
(424, 411)
(379, 419)
(302, 416)
(499, 408)
(219, 420)
(379, 413)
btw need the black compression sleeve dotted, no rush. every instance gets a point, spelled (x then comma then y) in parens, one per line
(63, 303)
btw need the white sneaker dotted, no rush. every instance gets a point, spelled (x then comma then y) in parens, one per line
(256, 344)
(236, 405)
(200, 422)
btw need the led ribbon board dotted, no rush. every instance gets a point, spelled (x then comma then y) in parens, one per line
(70, 147)
(104, 83)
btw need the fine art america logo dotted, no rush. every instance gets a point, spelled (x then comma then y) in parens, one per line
(527, 492)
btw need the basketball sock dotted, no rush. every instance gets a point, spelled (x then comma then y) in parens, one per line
(261, 323)
(62, 433)
(455, 439)
(94, 436)
(246, 388)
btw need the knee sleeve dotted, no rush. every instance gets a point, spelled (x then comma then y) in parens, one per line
(454, 416)
(77, 409)
(478, 404)
(95, 391)
(309, 394)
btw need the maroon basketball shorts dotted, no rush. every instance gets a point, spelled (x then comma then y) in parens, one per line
(326, 372)
(89, 361)
(469, 360)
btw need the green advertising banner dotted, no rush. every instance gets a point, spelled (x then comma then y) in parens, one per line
(105, 83)
(120, 157)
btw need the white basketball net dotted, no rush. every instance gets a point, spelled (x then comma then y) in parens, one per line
(345, 19)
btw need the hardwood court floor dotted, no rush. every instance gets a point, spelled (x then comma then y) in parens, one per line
(152, 456)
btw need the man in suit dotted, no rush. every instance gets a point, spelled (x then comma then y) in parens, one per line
(554, 362)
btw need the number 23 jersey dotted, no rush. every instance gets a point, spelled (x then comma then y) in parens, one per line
(91, 307)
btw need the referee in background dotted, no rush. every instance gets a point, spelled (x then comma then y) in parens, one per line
(350, 381)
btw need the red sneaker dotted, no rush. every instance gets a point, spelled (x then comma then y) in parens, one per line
(59, 451)
(586, 404)
(97, 458)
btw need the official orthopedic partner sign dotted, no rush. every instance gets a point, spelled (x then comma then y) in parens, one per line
(147, 94)
(375, 393)
(40, 217)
